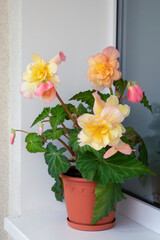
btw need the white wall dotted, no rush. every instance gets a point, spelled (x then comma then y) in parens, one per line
(80, 28)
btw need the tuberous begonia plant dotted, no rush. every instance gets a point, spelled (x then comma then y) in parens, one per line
(101, 148)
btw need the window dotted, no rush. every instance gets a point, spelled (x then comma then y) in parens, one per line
(138, 40)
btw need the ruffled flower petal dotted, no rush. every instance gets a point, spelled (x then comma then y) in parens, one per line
(113, 100)
(98, 104)
(37, 59)
(97, 86)
(46, 91)
(113, 137)
(48, 96)
(42, 87)
(111, 52)
(28, 89)
(116, 75)
(120, 147)
(55, 79)
(58, 58)
(110, 152)
(112, 114)
(105, 139)
(52, 68)
(125, 109)
(84, 139)
(83, 119)
(98, 58)
(123, 148)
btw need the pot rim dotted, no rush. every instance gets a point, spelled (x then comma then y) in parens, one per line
(75, 179)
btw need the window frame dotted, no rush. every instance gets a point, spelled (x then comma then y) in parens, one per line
(135, 207)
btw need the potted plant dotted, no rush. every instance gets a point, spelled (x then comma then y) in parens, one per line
(102, 150)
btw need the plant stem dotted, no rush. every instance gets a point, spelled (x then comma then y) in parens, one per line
(120, 96)
(67, 110)
(45, 121)
(66, 136)
(65, 129)
(120, 100)
(66, 146)
(43, 140)
(111, 91)
(21, 131)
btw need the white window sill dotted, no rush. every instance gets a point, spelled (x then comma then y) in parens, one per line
(50, 224)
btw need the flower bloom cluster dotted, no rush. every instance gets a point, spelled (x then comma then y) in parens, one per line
(104, 128)
(41, 78)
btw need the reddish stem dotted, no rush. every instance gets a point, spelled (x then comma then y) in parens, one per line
(67, 110)
(122, 99)
(66, 146)
(21, 131)
(65, 129)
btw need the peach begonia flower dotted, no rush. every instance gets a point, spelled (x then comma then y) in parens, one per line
(12, 136)
(39, 71)
(134, 93)
(46, 91)
(120, 147)
(103, 127)
(103, 68)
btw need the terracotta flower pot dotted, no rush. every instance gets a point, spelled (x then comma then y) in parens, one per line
(80, 197)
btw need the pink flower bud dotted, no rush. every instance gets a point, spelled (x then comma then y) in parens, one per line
(12, 136)
(134, 94)
(40, 125)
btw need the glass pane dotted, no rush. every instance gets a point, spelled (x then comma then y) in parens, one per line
(138, 42)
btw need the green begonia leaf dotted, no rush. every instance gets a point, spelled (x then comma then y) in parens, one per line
(57, 162)
(81, 109)
(114, 169)
(86, 97)
(58, 189)
(133, 139)
(53, 134)
(58, 116)
(145, 102)
(34, 143)
(41, 116)
(106, 198)
(120, 85)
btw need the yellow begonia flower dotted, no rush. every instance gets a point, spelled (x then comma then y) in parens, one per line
(104, 126)
(40, 71)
